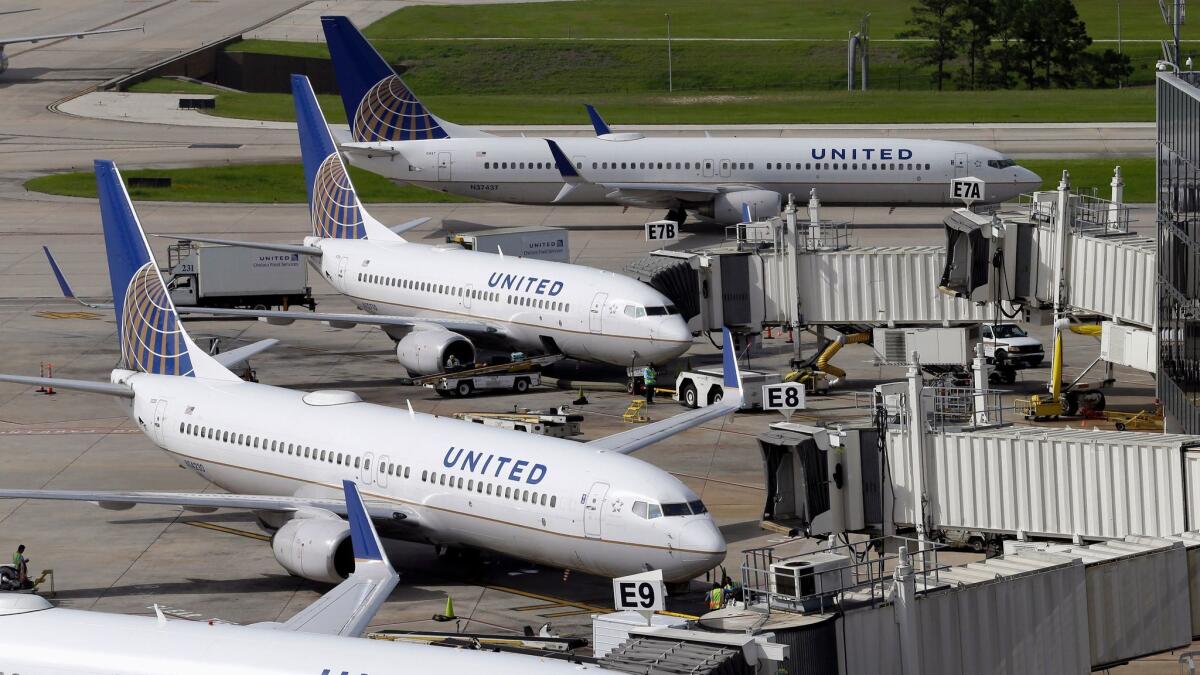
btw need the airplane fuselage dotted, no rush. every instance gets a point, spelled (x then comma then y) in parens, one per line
(542, 306)
(547, 500)
(842, 170)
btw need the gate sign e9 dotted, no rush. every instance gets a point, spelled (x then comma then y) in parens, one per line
(662, 230)
(967, 189)
(784, 396)
(643, 592)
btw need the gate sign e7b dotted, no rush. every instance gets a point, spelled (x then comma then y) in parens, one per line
(662, 230)
(643, 592)
(786, 397)
(969, 190)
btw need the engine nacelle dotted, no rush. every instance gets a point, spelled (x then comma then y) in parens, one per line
(726, 208)
(318, 549)
(425, 352)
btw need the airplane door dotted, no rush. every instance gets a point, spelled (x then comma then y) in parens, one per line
(367, 473)
(593, 509)
(382, 471)
(960, 164)
(160, 423)
(708, 167)
(342, 262)
(443, 166)
(596, 316)
(465, 299)
(725, 168)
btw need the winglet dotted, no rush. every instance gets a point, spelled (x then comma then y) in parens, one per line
(731, 371)
(597, 121)
(62, 280)
(570, 176)
(362, 531)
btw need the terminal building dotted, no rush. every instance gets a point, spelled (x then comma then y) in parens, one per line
(1179, 249)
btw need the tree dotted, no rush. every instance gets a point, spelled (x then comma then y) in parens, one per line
(978, 26)
(937, 23)
(1068, 42)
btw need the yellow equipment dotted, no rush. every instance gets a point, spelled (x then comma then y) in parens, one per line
(634, 412)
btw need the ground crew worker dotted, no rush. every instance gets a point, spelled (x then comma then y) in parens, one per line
(728, 589)
(453, 363)
(21, 564)
(649, 377)
(714, 597)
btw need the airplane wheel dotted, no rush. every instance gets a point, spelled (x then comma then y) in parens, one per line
(464, 388)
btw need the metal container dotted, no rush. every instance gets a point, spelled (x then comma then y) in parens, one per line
(540, 243)
(1025, 614)
(1051, 482)
(882, 284)
(1138, 601)
(239, 271)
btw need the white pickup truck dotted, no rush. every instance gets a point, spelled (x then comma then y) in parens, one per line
(1009, 344)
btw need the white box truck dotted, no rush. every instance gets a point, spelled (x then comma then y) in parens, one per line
(236, 276)
(541, 243)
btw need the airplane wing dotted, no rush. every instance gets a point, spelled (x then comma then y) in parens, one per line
(652, 195)
(349, 607)
(639, 437)
(283, 318)
(57, 36)
(205, 502)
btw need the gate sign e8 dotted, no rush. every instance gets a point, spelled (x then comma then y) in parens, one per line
(662, 230)
(968, 190)
(786, 397)
(643, 592)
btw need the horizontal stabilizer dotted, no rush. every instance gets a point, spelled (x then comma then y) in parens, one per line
(67, 292)
(405, 227)
(265, 246)
(88, 386)
(237, 357)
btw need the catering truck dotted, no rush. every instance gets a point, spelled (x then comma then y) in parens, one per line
(237, 277)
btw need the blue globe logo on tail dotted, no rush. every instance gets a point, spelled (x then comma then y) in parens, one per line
(152, 341)
(390, 112)
(335, 210)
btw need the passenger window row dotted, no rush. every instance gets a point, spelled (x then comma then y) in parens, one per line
(291, 449)
(539, 303)
(852, 166)
(490, 489)
(737, 166)
(428, 287)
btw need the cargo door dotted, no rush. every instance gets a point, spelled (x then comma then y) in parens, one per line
(366, 473)
(160, 421)
(960, 164)
(708, 167)
(382, 470)
(596, 316)
(593, 509)
(725, 168)
(443, 166)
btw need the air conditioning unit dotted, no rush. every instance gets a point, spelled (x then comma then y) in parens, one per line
(935, 346)
(815, 574)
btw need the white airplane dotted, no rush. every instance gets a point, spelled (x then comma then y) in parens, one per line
(440, 302)
(37, 637)
(394, 135)
(283, 454)
(4, 42)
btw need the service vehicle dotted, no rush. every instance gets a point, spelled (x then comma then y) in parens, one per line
(1009, 344)
(236, 277)
(702, 387)
(541, 243)
(516, 376)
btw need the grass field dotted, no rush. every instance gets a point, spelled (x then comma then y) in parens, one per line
(811, 19)
(1088, 173)
(805, 107)
(284, 183)
(246, 183)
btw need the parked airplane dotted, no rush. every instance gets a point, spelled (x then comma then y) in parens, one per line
(37, 637)
(4, 42)
(588, 507)
(440, 303)
(394, 135)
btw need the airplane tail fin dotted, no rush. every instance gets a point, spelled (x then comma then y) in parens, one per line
(151, 335)
(333, 205)
(379, 106)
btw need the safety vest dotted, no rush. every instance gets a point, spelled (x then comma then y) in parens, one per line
(649, 376)
(714, 598)
(17, 560)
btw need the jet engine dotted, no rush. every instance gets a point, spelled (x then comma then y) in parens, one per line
(726, 208)
(318, 549)
(425, 352)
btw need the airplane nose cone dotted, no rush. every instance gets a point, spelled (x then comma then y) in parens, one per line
(703, 537)
(673, 337)
(1027, 179)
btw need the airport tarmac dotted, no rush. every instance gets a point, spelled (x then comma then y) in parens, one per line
(219, 565)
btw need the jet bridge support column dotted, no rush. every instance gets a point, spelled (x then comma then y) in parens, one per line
(792, 295)
(904, 597)
(916, 435)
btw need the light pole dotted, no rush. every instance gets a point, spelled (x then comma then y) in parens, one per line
(670, 82)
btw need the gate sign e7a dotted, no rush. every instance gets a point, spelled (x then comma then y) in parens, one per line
(969, 190)
(786, 397)
(643, 592)
(662, 230)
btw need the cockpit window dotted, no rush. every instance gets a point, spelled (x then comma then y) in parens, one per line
(676, 509)
(639, 509)
(1001, 163)
(655, 511)
(697, 507)
(651, 510)
(635, 311)
(662, 311)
